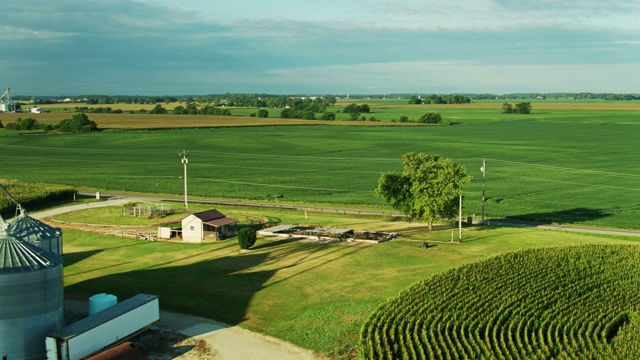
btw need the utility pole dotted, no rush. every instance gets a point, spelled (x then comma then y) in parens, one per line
(460, 221)
(185, 161)
(484, 173)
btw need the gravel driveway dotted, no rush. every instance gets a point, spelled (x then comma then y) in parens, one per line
(181, 336)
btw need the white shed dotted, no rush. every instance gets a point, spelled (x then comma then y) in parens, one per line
(207, 225)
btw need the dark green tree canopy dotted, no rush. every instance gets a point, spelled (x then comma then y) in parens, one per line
(355, 108)
(414, 100)
(77, 123)
(247, 238)
(158, 109)
(23, 124)
(430, 118)
(428, 188)
(520, 108)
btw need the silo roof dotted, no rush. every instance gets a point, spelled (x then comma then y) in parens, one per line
(29, 229)
(18, 256)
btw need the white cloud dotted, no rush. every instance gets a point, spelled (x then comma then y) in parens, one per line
(19, 33)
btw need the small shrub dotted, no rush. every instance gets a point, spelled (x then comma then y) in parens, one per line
(430, 118)
(328, 116)
(246, 238)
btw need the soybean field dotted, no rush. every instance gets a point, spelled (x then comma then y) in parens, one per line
(567, 166)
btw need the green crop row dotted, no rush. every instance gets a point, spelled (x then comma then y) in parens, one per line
(569, 302)
(31, 195)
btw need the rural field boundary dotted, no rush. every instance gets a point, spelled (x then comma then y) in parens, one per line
(123, 198)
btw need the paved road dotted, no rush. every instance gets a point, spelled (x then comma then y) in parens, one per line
(111, 201)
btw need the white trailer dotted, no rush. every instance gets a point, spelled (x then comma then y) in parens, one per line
(110, 326)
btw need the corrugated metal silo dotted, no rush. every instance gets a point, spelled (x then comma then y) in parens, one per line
(26, 228)
(31, 298)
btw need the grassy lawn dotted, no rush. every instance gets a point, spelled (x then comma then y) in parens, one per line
(314, 295)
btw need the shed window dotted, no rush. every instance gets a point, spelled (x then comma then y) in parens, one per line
(191, 228)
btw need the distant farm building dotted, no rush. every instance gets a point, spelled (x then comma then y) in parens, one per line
(35, 110)
(6, 104)
(200, 226)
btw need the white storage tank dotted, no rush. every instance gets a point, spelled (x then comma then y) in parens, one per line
(100, 302)
(31, 298)
(26, 228)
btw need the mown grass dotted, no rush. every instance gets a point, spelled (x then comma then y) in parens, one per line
(313, 295)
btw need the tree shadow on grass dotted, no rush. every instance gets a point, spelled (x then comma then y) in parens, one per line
(569, 216)
(274, 243)
(220, 288)
(74, 257)
(533, 220)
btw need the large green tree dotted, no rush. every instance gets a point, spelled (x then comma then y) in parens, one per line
(77, 123)
(427, 189)
(158, 109)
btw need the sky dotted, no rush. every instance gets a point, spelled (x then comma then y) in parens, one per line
(199, 47)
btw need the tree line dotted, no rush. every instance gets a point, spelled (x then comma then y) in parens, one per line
(439, 99)
(279, 101)
(77, 123)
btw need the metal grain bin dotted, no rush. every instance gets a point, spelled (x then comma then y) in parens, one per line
(26, 228)
(31, 298)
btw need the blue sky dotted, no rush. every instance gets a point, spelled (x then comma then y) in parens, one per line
(162, 47)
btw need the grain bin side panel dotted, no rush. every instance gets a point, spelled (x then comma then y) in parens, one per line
(32, 307)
